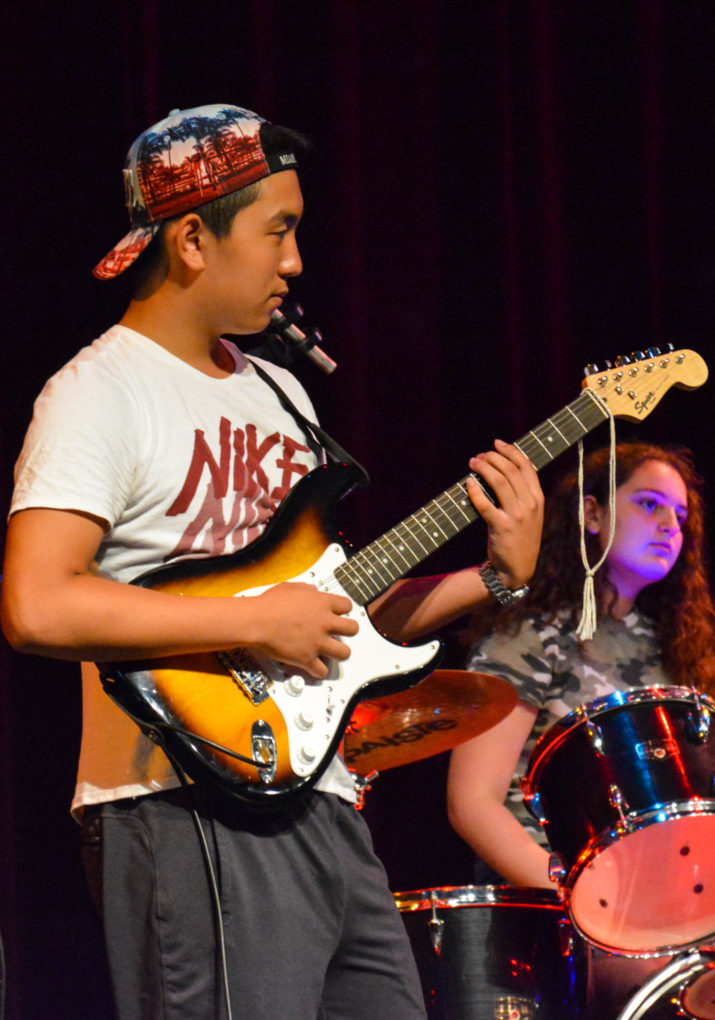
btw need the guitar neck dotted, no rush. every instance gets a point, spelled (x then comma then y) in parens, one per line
(369, 572)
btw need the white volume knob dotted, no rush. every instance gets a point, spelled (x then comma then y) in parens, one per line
(304, 721)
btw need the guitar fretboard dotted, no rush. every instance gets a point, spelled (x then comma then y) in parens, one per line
(373, 569)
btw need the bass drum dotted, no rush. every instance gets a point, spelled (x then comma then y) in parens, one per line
(624, 789)
(684, 990)
(496, 952)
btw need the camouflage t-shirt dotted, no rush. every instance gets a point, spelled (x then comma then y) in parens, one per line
(556, 673)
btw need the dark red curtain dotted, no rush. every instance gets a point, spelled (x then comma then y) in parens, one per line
(501, 192)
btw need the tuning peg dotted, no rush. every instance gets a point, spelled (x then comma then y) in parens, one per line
(622, 360)
(638, 356)
(590, 369)
(653, 352)
(669, 348)
(608, 365)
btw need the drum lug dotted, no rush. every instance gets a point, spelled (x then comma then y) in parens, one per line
(619, 802)
(533, 803)
(436, 927)
(566, 941)
(595, 735)
(698, 724)
(363, 785)
(557, 869)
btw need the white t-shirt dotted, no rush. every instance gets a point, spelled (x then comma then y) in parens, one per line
(178, 464)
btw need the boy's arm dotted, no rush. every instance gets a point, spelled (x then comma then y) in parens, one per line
(52, 604)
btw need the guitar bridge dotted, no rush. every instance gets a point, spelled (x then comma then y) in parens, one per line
(253, 681)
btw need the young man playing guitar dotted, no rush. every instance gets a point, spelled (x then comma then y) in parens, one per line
(161, 441)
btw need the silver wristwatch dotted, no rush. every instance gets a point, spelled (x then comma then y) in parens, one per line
(504, 596)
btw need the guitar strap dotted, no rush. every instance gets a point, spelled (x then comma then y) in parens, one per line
(318, 439)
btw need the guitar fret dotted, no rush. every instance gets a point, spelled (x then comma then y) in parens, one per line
(563, 430)
(464, 506)
(371, 565)
(578, 422)
(359, 588)
(542, 445)
(419, 533)
(561, 435)
(436, 523)
(386, 561)
(413, 537)
(399, 549)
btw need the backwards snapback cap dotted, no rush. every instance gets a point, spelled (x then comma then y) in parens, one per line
(186, 160)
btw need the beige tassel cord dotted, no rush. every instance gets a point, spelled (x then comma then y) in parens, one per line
(589, 613)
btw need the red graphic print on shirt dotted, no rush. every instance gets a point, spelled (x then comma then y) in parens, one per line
(237, 497)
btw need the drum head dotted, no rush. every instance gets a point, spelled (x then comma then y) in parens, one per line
(651, 893)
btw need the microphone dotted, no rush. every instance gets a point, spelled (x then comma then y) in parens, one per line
(304, 343)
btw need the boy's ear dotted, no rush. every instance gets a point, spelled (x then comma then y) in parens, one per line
(592, 515)
(185, 240)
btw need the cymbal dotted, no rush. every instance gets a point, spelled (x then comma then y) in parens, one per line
(446, 708)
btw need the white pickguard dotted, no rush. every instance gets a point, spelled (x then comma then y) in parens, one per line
(313, 709)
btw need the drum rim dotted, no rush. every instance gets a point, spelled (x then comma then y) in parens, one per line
(458, 896)
(589, 710)
(642, 954)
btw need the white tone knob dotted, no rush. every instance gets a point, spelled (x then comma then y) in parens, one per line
(294, 685)
(304, 721)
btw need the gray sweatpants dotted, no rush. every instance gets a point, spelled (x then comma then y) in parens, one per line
(311, 929)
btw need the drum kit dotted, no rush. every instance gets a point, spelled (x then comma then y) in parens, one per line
(624, 787)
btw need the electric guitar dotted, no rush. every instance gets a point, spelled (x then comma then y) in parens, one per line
(265, 734)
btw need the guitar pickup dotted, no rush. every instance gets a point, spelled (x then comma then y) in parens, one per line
(250, 678)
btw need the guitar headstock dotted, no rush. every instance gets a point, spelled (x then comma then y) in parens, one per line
(632, 386)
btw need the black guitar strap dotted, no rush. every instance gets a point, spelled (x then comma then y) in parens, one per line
(318, 439)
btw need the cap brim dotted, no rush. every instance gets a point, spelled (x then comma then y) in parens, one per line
(125, 252)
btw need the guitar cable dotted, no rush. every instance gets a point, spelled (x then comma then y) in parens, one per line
(151, 731)
(214, 894)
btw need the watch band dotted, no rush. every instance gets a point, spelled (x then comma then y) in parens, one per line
(504, 596)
